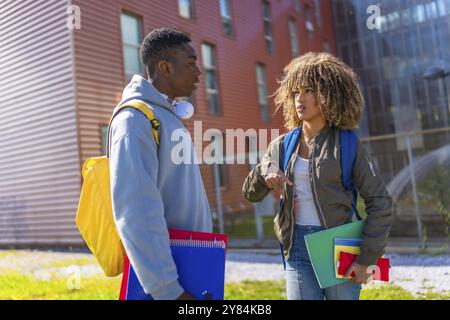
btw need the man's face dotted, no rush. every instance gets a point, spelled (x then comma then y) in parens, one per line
(185, 75)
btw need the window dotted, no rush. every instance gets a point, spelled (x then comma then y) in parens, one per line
(209, 66)
(225, 12)
(441, 8)
(308, 22)
(131, 39)
(104, 129)
(317, 13)
(326, 46)
(297, 6)
(294, 37)
(218, 141)
(185, 8)
(262, 92)
(267, 27)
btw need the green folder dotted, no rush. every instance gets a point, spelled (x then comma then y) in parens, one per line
(320, 247)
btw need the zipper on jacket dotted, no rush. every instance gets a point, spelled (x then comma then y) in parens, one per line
(292, 206)
(371, 166)
(313, 186)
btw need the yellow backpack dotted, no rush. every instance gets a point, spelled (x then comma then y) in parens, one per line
(95, 218)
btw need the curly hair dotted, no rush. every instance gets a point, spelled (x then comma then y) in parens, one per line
(334, 84)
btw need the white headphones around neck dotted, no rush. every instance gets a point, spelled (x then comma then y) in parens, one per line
(183, 109)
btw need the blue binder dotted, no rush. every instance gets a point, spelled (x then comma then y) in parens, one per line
(201, 270)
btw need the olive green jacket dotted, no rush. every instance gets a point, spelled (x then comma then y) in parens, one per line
(333, 203)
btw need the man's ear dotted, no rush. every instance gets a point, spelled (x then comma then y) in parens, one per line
(165, 67)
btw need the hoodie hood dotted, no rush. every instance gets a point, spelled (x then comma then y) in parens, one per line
(140, 88)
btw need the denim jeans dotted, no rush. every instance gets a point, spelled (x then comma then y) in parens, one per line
(301, 282)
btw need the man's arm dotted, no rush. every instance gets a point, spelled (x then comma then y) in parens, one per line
(138, 207)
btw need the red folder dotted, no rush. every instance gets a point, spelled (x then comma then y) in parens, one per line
(173, 234)
(346, 259)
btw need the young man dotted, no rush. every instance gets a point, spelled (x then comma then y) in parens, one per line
(150, 193)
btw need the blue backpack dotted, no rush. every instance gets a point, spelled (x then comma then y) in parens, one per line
(348, 143)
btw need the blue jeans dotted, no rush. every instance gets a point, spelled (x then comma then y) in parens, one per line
(301, 282)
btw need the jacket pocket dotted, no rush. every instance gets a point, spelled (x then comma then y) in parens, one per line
(329, 171)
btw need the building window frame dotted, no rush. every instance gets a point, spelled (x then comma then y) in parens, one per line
(190, 15)
(261, 83)
(136, 46)
(297, 6)
(309, 24)
(211, 75)
(226, 14)
(293, 36)
(317, 13)
(267, 27)
(104, 138)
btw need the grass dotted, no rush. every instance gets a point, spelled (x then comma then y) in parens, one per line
(255, 290)
(25, 287)
(245, 228)
(4, 253)
(16, 286)
(72, 262)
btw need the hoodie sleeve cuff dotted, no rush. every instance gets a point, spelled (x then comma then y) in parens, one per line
(170, 291)
(367, 259)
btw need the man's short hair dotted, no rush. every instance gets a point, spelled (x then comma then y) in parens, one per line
(158, 44)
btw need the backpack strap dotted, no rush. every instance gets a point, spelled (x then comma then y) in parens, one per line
(348, 147)
(142, 107)
(290, 142)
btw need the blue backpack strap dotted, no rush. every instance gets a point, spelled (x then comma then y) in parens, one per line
(349, 142)
(290, 142)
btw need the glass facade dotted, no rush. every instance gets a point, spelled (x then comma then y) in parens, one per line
(392, 46)
(391, 58)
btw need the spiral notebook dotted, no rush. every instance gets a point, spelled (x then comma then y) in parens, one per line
(200, 261)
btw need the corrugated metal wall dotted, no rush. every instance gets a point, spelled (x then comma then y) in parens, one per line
(39, 161)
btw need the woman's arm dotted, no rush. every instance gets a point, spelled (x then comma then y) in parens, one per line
(266, 176)
(379, 207)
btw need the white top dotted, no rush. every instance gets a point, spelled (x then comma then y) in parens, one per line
(304, 208)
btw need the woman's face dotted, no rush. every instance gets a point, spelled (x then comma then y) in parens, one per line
(306, 105)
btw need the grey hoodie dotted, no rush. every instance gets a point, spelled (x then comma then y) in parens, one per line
(150, 193)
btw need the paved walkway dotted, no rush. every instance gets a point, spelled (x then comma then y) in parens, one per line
(395, 245)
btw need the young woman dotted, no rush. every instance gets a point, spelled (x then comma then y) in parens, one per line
(320, 93)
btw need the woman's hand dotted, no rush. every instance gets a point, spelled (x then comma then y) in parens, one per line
(275, 181)
(360, 273)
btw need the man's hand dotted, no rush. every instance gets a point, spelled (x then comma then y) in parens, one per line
(185, 296)
(275, 181)
(360, 273)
